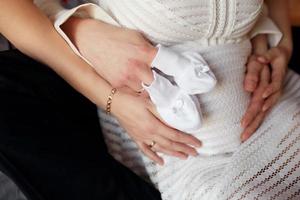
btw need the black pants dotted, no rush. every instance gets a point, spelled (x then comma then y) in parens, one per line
(51, 143)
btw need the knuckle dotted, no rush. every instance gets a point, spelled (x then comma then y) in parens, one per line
(146, 48)
(117, 83)
(122, 79)
(150, 129)
(177, 136)
(130, 66)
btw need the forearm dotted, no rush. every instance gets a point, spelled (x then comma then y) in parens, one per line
(279, 12)
(33, 33)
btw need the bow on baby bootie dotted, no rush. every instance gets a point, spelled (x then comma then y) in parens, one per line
(189, 70)
(177, 108)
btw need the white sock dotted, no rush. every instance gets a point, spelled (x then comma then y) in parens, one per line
(177, 108)
(190, 71)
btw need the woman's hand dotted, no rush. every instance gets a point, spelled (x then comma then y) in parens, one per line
(277, 58)
(256, 81)
(121, 56)
(137, 115)
(266, 70)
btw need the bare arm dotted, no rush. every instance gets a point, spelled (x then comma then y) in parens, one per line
(33, 33)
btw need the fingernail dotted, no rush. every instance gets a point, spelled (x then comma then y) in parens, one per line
(265, 95)
(198, 144)
(243, 138)
(184, 157)
(195, 153)
(264, 108)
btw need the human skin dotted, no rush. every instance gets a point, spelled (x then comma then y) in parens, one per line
(42, 42)
(124, 73)
(264, 86)
(267, 65)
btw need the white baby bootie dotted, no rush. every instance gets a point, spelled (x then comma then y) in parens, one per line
(178, 109)
(190, 71)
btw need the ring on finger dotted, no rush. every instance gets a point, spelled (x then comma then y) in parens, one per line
(152, 144)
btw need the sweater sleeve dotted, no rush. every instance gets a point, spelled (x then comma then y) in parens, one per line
(60, 15)
(266, 26)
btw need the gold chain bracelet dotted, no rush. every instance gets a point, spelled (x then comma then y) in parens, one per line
(109, 100)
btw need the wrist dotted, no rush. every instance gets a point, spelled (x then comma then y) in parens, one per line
(259, 44)
(116, 106)
(287, 46)
(74, 27)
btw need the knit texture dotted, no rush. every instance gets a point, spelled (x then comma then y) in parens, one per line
(264, 167)
(267, 166)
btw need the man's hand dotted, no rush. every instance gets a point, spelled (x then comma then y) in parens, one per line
(278, 59)
(266, 70)
(257, 80)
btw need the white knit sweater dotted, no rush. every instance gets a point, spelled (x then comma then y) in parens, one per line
(264, 167)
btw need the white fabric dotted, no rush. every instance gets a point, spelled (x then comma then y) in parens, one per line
(60, 15)
(264, 167)
(200, 29)
(189, 70)
(178, 109)
(192, 76)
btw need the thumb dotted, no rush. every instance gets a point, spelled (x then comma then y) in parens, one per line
(152, 108)
(144, 73)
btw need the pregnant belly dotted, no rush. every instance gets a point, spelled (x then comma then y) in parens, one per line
(224, 107)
